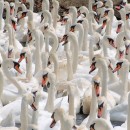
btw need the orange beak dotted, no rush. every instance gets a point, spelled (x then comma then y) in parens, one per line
(17, 69)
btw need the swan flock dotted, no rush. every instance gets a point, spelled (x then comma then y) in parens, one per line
(53, 67)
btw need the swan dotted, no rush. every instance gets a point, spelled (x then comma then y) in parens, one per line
(71, 36)
(12, 8)
(123, 66)
(67, 121)
(101, 124)
(25, 53)
(96, 91)
(100, 62)
(52, 54)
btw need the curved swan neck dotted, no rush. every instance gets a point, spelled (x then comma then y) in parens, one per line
(55, 39)
(45, 5)
(48, 17)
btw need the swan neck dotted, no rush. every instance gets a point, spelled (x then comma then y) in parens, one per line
(75, 52)
(93, 108)
(24, 115)
(105, 76)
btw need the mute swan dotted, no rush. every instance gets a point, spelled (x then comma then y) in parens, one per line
(99, 62)
(101, 123)
(93, 107)
(52, 54)
(12, 8)
(74, 41)
(123, 66)
(67, 122)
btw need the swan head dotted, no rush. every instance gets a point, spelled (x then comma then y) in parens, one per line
(23, 15)
(10, 51)
(13, 64)
(100, 124)
(12, 7)
(44, 78)
(97, 61)
(56, 116)
(127, 46)
(14, 23)
(119, 8)
(121, 52)
(72, 28)
(64, 39)
(101, 105)
(119, 26)
(97, 5)
(30, 99)
(82, 10)
(96, 83)
(110, 42)
(118, 66)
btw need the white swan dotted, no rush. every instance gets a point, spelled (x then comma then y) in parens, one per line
(99, 62)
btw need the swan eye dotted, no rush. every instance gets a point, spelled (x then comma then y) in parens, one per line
(52, 116)
(22, 54)
(0, 65)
